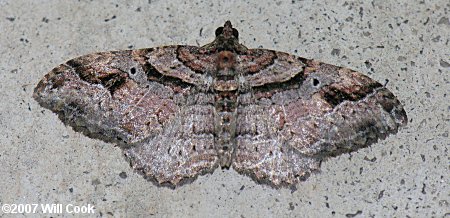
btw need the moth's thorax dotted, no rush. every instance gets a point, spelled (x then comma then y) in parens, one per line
(225, 76)
(226, 62)
(225, 89)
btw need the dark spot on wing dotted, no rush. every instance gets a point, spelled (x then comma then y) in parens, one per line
(335, 95)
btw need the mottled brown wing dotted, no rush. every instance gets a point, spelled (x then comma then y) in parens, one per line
(289, 124)
(133, 98)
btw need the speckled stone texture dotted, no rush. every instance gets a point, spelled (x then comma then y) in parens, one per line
(404, 43)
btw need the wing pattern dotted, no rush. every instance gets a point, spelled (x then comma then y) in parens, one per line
(182, 111)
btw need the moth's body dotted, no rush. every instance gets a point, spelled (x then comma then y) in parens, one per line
(180, 111)
(225, 85)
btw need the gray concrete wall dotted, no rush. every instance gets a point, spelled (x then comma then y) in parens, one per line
(403, 41)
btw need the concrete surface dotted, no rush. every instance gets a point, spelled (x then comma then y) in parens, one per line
(405, 42)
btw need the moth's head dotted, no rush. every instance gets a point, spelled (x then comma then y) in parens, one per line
(227, 38)
(227, 32)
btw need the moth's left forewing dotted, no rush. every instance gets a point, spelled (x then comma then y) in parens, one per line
(110, 96)
(146, 101)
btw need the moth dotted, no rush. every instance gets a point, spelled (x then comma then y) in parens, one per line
(180, 111)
